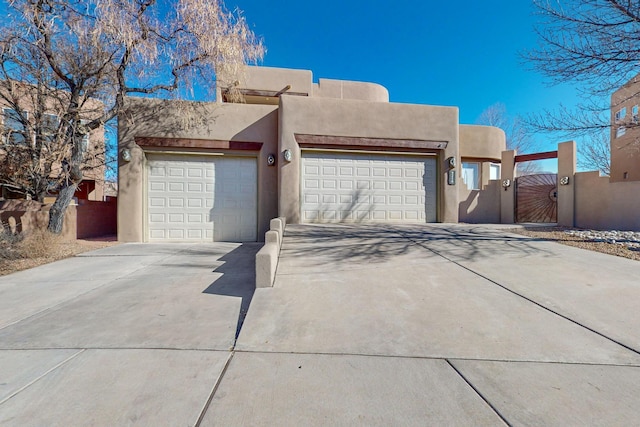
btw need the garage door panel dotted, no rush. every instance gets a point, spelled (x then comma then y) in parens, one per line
(201, 198)
(176, 203)
(368, 187)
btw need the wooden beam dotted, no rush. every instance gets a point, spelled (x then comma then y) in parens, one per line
(358, 143)
(266, 93)
(201, 144)
(536, 156)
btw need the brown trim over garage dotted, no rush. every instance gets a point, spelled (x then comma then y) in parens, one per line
(362, 143)
(206, 144)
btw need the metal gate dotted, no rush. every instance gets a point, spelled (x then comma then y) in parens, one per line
(536, 198)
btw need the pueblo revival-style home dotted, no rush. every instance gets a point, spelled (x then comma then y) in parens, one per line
(276, 144)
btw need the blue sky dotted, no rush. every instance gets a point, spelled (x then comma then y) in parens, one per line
(464, 53)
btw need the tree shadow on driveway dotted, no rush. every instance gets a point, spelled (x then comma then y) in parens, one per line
(377, 243)
(238, 277)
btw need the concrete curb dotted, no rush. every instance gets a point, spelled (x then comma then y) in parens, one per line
(267, 257)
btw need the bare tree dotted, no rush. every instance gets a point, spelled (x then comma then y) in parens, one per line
(78, 59)
(592, 43)
(595, 153)
(517, 136)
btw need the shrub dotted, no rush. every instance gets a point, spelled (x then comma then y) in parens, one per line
(30, 244)
(9, 243)
(38, 244)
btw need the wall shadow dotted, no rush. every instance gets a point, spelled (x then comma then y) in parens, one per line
(481, 206)
(238, 278)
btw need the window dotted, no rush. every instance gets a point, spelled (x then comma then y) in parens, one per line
(620, 131)
(13, 126)
(634, 114)
(471, 175)
(50, 123)
(494, 171)
(621, 114)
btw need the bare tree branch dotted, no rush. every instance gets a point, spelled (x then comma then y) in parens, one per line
(517, 136)
(594, 43)
(595, 153)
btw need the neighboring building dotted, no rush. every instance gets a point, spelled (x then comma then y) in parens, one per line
(625, 132)
(12, 132)
(332, 151)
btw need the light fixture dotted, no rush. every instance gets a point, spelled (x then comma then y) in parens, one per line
(452, 162)
(126, 155)
(564, 180)
(506, 183)
(271, 160)
(288, 155)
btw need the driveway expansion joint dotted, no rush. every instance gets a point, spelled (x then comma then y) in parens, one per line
(480, 395)
(44, 374)
(216, 385)
(525, 297)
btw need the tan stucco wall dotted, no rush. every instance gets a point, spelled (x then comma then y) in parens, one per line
(567, 156)
(301, 81)
(276, 79)
(163, 119)
(482, 142)
(601, 204)
(484, 145)
(343, 89)
(331, 117)
(480, 206)
(18, 219)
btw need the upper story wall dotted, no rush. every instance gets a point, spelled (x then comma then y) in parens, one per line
(343, 89)
(276, 79)
(263, 85)
(482, 142)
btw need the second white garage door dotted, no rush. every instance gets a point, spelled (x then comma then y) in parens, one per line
(353, 187)
(199, 198)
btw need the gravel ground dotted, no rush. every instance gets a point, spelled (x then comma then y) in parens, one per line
(621, 243)
(62, 250)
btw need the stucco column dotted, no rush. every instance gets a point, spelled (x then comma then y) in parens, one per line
(507, 194)
(566, 183)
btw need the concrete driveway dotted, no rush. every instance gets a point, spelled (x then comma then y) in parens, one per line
(128, 335)
(436, 325)
(366, 325)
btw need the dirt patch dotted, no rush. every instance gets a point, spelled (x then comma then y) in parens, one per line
(61, 250)
(560, 235)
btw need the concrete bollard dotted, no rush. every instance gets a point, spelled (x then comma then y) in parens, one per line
(272, 236)
(276, 225)
(267, 256)
(266, 263)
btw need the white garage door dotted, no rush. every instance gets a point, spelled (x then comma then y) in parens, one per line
(350, 187)
(201, 198)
